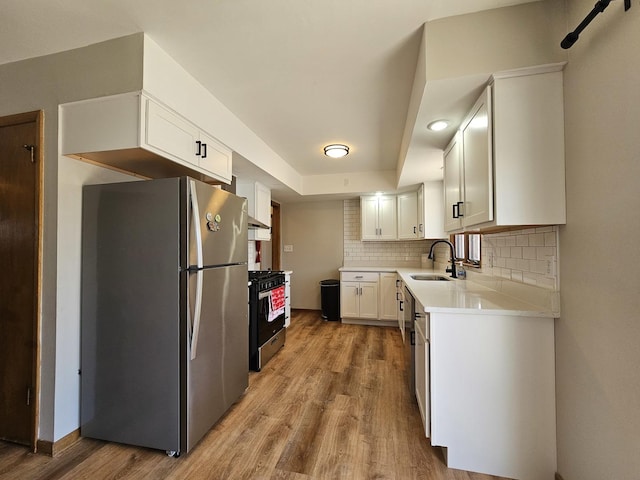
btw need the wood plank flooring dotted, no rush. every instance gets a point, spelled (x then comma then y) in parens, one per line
(332, 404)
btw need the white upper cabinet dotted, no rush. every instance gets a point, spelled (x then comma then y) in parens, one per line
(140, 135)
(378, 217)
(408, 216)
(452, 162)
(477, 206)
(430, 211)
(259, 207)
(505, 166)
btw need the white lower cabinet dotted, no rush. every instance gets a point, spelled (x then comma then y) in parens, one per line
(490, 381)
(422, 371)
(400, 305)
(359, 296)
(287, 299)
(368, 297)
(388, 305)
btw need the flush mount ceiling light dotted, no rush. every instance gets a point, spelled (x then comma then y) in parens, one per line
(438, 125)
(336, 150)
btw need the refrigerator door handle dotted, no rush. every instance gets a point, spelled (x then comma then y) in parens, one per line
(195, 212)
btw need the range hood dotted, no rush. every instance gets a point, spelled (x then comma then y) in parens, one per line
(254, 223)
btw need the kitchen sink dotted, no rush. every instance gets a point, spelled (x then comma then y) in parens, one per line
(428, 277)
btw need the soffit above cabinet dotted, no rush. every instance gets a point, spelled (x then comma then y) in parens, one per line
(458, 56)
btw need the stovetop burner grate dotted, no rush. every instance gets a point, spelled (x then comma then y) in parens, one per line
(263, 274)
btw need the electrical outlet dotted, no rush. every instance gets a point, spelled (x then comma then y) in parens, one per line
(288, 248)
(551, 265)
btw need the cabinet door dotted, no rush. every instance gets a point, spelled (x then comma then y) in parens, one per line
(477, 155)
(388, 307)
(170, 134)
(369, 218)
(387, 218)
(452, 184)
(400, 306)
(349, 299)
(408, 215)
(263, 204)
(215, 157)
(287, 299)
(422, 378)
(368, 299)
(421, 212)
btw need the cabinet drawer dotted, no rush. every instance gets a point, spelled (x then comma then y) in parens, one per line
(359, 276)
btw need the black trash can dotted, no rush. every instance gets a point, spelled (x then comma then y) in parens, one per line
(330, 299)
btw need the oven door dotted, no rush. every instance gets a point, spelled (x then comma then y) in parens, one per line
(270, 321)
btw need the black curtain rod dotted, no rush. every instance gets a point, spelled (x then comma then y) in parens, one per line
(572, 37)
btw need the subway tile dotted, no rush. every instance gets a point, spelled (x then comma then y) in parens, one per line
(550, 239)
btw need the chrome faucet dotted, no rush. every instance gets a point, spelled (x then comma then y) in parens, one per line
(451, 270)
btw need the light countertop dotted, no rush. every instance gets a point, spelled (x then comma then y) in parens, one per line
(460, 296)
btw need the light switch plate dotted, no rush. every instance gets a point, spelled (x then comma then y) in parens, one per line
(288, 248)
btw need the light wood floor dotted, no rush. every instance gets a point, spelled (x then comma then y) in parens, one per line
(332, 404)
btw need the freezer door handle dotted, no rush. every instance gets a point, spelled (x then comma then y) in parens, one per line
(195, 212)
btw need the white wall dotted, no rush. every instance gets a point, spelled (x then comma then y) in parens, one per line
(72, 175)
(598, 336)
(315, 231)
(42, 84)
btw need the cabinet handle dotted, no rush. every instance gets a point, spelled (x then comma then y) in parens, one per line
(397, 284)
(455, 210)
(460, 210)
(204, 150)
(413, 337)
(199, 144)
(358, 276)
(414, 230)
(402, 305)
(360, 290)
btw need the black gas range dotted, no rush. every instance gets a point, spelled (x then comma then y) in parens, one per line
(266, 316)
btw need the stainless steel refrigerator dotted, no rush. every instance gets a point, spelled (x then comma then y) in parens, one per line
(164, 326)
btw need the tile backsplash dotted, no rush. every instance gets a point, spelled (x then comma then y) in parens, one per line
(377, 254)
(528, 256)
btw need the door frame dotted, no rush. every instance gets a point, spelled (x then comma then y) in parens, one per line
(17, 119)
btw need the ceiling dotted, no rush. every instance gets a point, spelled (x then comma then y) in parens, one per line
(299, 74)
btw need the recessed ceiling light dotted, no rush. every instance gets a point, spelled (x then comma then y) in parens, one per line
(438, 125)
(336, 150)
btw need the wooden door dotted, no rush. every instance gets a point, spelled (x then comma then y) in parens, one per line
(20, 160)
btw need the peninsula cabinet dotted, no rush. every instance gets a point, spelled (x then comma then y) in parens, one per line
(138, 134)
(490, 379)
(378, 217)
(505, 166)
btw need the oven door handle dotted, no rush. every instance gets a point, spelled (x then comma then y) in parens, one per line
(195, 218)
(262, 295)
